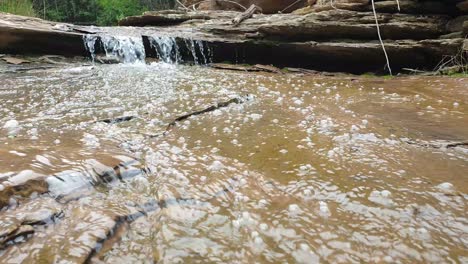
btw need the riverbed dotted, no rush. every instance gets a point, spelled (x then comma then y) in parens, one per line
(95, 166)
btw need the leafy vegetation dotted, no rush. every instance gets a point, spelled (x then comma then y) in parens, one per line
(99, 12)
(20, 7)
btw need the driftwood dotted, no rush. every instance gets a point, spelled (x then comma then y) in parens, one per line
(206, 110)
(246, 68)
(246, 14)
(438, 145)
(268, 68)
(116, 120)
(237, 100)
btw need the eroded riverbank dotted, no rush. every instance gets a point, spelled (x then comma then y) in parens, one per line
(304, 168)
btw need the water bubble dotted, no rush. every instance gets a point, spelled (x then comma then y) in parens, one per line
(294, 208)
(258, 240)
(263, 226)
(255, 117)
(446, 188)
(216, 166)
(354, 129)
(11, 124)
(323, 208)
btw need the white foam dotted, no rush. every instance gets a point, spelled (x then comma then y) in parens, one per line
(11, 124)
(216, 166)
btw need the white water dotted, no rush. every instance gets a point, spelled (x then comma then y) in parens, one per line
(128, 49)
(131, 49)
(125, 49)
(166, 48)
(90, 44)
(169, 50)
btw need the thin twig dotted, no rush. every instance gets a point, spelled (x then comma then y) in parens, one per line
(116, 120)
(194, 4)
(290, 6)
(380, 37)
(182, 5)
(212, 108)
(398, 4)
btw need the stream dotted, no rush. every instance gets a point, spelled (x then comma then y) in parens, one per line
(298, 169)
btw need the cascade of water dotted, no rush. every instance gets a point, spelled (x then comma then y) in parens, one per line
(199, 47)
(126, 49)
(169, 51)
(206, 55)
(131, 49)
(166, 48)
(90, 44)
(190, 44)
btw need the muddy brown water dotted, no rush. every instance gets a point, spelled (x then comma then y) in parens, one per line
(307, 169)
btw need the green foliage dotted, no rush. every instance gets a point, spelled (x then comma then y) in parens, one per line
(114, 10)
(98, 12)
(76, 11)
(19, 7)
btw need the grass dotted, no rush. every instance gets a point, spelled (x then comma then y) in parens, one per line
(17, 7)
(458, 75)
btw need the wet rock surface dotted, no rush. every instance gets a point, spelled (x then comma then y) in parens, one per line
(330, 169)
(333, 39)
(319, 39)
(26, 35)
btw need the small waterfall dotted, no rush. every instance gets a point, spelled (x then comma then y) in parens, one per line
(170, 51)
(90, 44)
(190, 44)
(126, 49)
(166, 48)
(206, 56)
(131, 49)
